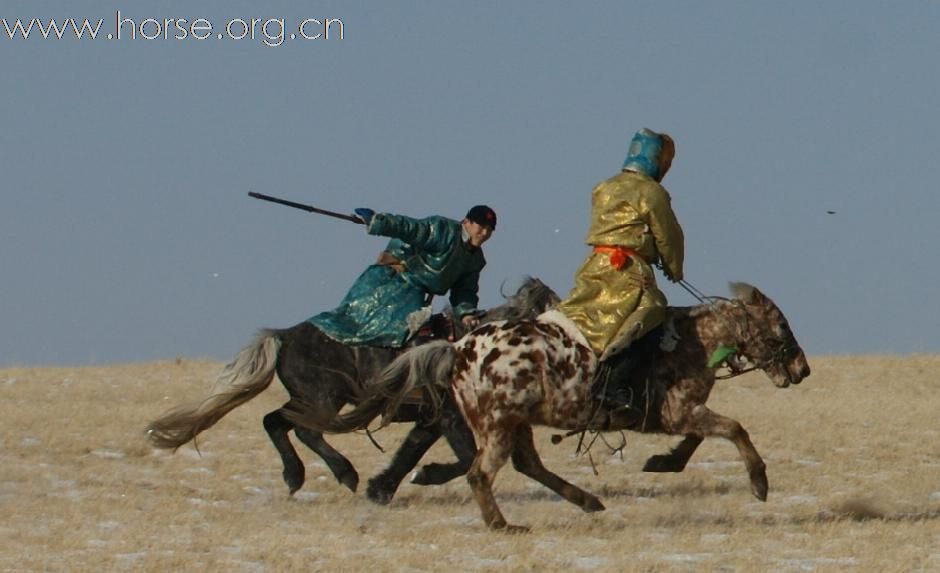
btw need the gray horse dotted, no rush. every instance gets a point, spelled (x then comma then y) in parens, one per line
(322, 375)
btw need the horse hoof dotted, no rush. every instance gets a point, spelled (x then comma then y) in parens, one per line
(759, 489)
(294, 481)
(660, 464)
(380, 498)
(503, 527)
(593, 504)
(350, 480)
(377, 495)
(515, 529)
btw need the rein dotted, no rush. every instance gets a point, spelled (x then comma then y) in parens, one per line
(696, 294)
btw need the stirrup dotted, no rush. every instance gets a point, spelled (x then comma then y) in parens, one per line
(616, 414)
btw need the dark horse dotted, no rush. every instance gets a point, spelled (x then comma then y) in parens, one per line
(508, 376)
(321, 376)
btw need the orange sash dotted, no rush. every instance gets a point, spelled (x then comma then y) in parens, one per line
(619, 256)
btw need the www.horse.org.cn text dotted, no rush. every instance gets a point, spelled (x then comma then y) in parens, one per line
(271, 32)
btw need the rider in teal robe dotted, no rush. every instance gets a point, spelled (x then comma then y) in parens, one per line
(425, 257)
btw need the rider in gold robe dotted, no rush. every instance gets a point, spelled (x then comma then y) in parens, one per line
(615, 300)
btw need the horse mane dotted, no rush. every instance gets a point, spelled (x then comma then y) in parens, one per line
(740, 291)
(531, 299)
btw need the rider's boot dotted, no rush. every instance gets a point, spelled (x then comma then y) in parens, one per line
(615, 392)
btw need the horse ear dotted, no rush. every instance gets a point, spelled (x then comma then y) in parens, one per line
(747, 293)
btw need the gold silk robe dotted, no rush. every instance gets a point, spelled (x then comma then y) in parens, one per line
(609, 305)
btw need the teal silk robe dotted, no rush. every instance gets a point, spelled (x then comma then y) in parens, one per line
(434, 260)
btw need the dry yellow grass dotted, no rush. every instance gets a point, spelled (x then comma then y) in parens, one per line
(853, 458)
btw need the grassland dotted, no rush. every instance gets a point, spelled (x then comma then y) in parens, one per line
(853, 458)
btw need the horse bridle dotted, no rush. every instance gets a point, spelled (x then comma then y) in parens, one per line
(782, 348)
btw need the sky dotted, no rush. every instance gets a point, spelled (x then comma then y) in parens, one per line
(806, 135)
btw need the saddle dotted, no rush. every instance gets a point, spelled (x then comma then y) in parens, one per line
(439, 327)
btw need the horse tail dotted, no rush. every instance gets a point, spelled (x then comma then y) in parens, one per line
(246, 376)
(427, 366)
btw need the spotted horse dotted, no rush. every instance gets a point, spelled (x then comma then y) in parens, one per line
(508, 376)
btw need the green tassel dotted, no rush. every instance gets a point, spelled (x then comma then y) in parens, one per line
(720, 355)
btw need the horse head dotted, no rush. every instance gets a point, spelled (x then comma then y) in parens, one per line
(765, 339)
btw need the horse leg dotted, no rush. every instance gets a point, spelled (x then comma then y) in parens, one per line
(277, 427)
(526, 460)
(709, 423)
(341, 467)
(493, 454)
(382, 487)
(675, 460)
(460, 438)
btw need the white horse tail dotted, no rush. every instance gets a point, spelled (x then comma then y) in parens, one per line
(427, 366)
(245, 377)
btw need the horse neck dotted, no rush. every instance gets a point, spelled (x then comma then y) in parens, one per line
(716, 324)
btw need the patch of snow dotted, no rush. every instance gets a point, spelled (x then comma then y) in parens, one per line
(108, 525)
(306, 496)
(714, 465)
(58, 483)
(198, 470)
(71, 495)
(797, 499)
(130, 557)
(589, 563)
(30, 441)
(108, 453)
(471, 520)
(714, 537)
(10, 381)
(253, 566)
(812, 564)
(809, 462)
(200, 501)
(935, 495)
(686, 557)
(797, 537)
(481, 563)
